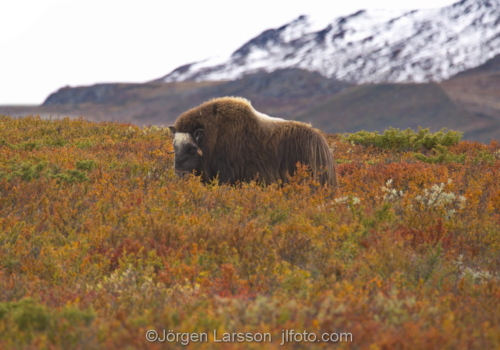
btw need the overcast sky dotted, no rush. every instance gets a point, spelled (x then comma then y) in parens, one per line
(47, 44)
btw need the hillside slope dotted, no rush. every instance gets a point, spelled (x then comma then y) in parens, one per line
(377, 106)
(478, 91)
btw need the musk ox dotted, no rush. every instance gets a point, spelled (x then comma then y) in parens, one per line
(227, 138)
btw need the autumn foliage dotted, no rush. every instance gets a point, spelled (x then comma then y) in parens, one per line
(100, 242)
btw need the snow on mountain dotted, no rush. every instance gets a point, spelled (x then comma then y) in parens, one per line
(369, 46)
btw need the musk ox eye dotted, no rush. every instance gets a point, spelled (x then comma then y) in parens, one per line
(192, 149)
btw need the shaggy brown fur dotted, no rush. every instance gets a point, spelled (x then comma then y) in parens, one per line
(241, 144)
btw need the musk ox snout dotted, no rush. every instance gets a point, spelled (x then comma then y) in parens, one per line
(187, 159)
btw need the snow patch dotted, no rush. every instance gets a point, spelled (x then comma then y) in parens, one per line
(370, 46)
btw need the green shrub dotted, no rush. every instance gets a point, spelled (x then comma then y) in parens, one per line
(86, 165)
(442, 155)
(21, 321)
(27, 171)
(405, 140)
(72, 176)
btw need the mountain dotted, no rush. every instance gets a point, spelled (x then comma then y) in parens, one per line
(371, 70)
(369, 46)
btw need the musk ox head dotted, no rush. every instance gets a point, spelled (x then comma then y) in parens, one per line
(188, 155)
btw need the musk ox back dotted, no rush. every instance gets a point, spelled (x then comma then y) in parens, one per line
(228, 138)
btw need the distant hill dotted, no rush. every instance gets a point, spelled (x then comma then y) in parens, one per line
(284, 92)
(478, 91)
(150, 103)
(378, 106)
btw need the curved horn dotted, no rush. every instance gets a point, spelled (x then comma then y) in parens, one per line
(170, 152)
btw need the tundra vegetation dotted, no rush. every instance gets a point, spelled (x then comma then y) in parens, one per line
(100, 242)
